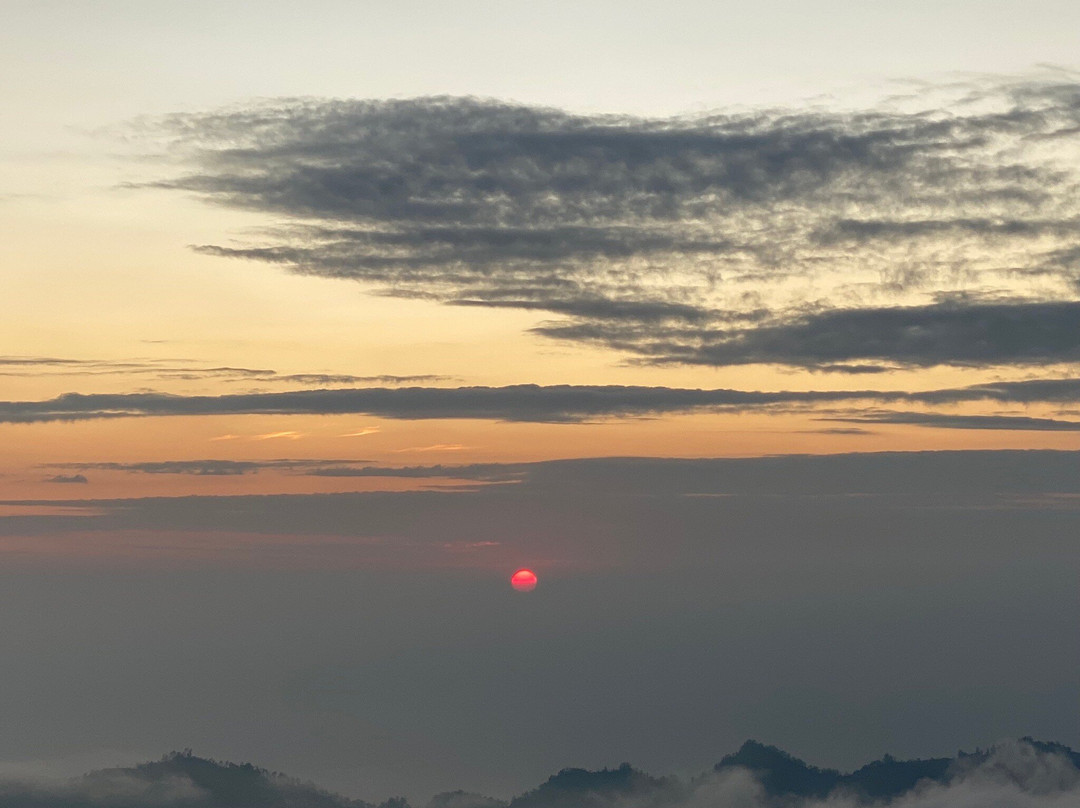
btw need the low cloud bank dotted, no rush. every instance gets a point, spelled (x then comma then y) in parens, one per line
(1018, 774)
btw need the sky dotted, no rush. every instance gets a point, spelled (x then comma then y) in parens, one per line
(754, 330)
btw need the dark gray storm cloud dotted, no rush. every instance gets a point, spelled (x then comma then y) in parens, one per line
(526, 402)
(705, 239)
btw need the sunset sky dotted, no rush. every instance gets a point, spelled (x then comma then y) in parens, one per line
(753, 329)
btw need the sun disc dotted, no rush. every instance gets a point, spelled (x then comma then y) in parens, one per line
(524, 580)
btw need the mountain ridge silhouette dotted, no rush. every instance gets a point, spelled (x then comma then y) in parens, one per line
(184, 780)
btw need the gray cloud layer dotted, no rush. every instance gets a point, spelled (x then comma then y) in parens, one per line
(705, 239)
(555, 403)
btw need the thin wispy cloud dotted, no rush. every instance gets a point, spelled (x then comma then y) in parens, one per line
(203, 468)
(435, 447)
(480, 472)
(287, 434)
(190, 370)
(937, 420)
(282, 435)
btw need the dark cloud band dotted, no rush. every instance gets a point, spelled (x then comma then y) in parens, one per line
(840, 340)
(557, 403)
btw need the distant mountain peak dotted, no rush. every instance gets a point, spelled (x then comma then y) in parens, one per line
(783, 775)
(582, 788)
(780, 772)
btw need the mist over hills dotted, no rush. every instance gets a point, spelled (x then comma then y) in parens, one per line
(1018, 774)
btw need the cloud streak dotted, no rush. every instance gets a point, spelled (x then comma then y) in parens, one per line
(936, 420)
(188, 370)
(200, 468)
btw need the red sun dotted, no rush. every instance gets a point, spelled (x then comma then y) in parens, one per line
(523, 580)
